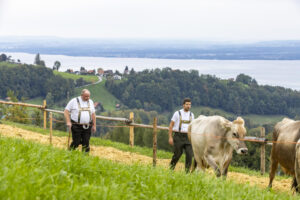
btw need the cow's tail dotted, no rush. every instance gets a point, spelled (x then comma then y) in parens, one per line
(189, 132)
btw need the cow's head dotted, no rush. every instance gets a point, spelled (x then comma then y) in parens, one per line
(235, 131)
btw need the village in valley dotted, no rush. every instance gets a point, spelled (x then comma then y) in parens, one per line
(106, 74)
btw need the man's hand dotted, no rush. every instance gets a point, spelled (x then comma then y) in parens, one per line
(171, 141)
(94, 129)
(69, 124)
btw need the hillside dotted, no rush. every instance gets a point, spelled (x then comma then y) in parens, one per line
(87, 78)
(164, 89)
(41, 163)
(99, 93)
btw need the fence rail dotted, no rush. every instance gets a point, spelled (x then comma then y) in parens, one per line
(130, 123)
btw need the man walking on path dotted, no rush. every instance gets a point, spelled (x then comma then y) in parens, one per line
(82, 121)
(179, 125)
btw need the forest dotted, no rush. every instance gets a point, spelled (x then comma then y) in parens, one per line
(163, 90)
(30, 81)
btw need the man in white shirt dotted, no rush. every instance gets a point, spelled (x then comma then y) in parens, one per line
(82, 120)
(179, 125)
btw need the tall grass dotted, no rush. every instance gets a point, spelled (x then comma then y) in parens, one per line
(32, 171)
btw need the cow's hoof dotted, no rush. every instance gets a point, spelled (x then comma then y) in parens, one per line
(217, 172)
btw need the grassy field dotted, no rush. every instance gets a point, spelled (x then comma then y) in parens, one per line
(89, 78)
(100, 94)
(255, 119)
(36, 101)
(34, 171)
(7, 64)
(96, 141)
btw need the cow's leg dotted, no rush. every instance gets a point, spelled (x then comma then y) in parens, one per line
(273, 169)
(213, 165)
(194, 165)
(295, 185)
(188, 157)
(225, 167)
(297, 169)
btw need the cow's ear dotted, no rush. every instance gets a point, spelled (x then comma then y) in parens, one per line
(227, 125)
(239, 120)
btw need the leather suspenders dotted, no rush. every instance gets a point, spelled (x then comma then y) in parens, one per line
(183, 121)
(80, 109)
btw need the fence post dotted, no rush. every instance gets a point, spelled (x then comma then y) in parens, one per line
(131, 130)
(45, 114)
(50, 118)
(154, 140)
(262, 153)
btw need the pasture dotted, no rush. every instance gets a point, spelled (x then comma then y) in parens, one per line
(99, 93)
(88, 78)
(35, 171)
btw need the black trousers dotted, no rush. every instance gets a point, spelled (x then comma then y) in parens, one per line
(181, 142)
(80, 136)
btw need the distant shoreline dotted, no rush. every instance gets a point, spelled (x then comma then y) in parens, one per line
(284, 73)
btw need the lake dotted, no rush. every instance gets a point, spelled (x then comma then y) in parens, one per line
(284, 73)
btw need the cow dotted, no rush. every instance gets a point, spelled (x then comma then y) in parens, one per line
(213, 139)
(286, 150)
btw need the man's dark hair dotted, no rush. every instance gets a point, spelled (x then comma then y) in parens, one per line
(186, 100)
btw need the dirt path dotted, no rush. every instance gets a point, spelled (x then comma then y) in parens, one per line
(129, 158)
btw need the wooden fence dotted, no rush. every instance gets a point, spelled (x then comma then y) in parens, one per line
(130, 122)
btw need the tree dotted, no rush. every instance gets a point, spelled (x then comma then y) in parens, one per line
(16, 113)
(37, 59)
(245, 79)
(49, 99)
(42, 63)
(56, 65)
(3, 57)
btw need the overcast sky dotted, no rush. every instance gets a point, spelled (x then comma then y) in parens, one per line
(239, 20)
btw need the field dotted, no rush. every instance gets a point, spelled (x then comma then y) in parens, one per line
(7, 64)
(255, 119)
(122, 153)
(100, 94)
(34, 171)
(88, 78)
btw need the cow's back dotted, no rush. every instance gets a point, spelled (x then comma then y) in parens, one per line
(285, 135)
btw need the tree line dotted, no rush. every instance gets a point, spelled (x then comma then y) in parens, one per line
(29, 81)
(163, 90)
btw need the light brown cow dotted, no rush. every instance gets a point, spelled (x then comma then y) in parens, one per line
(213, 139)
(285, 152)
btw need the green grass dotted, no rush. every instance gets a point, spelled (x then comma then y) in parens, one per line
(7, 64)
(36, 101)
(96, 141)
(264, 119)
(88, 78)
(33, 171)
(255, 119)
(100, 94)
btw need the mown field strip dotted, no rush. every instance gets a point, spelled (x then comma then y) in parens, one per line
(116, 155)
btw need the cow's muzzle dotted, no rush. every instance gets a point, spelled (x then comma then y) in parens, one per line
(242, 151)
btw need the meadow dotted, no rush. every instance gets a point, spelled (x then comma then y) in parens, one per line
(88, 78)
(35, 171)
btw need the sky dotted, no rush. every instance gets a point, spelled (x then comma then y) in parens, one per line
(224, 20)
